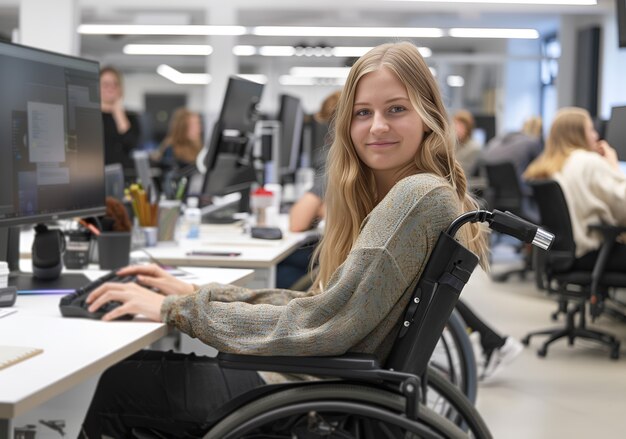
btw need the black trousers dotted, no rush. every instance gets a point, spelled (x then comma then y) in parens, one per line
(489, 338)
(172, 393)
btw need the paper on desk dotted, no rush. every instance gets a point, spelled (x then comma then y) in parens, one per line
(7, 311)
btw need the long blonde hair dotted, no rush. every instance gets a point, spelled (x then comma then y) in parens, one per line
(184, 148)
(351, 191)
(567, 134)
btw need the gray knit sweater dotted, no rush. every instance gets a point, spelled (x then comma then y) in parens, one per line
(360, 309)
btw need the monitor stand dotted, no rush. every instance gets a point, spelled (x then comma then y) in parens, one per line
(25, 282)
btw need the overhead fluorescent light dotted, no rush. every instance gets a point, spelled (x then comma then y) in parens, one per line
(455, 81)
(167, 49)
(180, 78)
(310, 81)
(331, 31)
(516, 2)
(158, 29)
(320, 72)
(531, 34)
(242, 50)
(338, 51)
(258, 78)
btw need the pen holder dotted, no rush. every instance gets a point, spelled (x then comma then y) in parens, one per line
(113, 250)
(169, 212)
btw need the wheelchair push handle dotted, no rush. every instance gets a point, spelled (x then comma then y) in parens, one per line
(507, 223)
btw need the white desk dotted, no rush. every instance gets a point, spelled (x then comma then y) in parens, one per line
(74, 349)
(259, 254)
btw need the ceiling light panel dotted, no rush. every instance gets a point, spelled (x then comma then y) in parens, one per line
(168, 49)
(329, 31)
(516, 2)
(494, 33)
(155, 29)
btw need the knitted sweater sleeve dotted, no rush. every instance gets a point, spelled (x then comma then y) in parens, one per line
(390, 253)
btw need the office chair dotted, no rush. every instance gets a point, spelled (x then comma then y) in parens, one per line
(364, 398)
(564, 279)
(505, 193)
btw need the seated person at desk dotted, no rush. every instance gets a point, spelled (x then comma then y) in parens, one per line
(393, 186)
(593, 185)
(467, 149)
(178, 152)
(304, 215)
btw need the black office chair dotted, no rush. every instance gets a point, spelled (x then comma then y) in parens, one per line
(363, 398)
(564, 278)
(505, 193)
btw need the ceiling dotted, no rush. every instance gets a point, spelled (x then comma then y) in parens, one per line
(108, 49)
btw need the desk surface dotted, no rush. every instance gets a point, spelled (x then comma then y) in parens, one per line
(255, 253)
(74, 349)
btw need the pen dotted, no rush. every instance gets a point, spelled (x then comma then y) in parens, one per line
(89, 226)
(205, 253)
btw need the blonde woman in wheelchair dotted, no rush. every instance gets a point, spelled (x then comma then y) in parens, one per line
(393, 186)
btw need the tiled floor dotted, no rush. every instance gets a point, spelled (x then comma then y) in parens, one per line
(575, 392)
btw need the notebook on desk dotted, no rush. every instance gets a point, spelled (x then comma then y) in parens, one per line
(10, 355)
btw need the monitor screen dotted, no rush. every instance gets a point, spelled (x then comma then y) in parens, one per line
(621, 22)
(291, 117)
(114, 180)
(228, 160)
(51, 138)
(236, 121)
(615, 132)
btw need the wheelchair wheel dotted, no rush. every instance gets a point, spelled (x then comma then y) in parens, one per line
(332, 411)
(454, 357)
(452, 404)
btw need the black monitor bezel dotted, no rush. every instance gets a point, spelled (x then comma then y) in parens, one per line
(291, 146)
(55, 216)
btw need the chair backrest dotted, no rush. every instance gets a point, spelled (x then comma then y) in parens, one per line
(556, 219)
(448, 269)
(506, 192)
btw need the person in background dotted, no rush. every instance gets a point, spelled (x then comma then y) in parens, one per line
(322, 134)
(183, 141)
(121, 128)
(393, 186)
(467, 149)
(588, 172)
(519, 148)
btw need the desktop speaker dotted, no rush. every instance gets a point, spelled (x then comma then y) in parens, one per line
(47, 248)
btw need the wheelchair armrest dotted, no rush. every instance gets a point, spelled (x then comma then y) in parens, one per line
(348, 366)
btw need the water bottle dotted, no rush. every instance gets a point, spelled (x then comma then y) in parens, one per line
(193, 217)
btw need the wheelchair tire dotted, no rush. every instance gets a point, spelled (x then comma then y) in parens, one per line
(370, 404)
(460, 410)
(454, 357)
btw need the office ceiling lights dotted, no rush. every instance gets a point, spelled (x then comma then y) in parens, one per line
(515, 2)
(180, 78)
(300, 31)
(168, 49)
(339, 51)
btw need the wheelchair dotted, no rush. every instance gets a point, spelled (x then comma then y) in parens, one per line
(356, 396)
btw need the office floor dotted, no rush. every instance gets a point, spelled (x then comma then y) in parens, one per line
(575, 392)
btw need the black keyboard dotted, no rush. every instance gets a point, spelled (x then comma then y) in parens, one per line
(74, 305)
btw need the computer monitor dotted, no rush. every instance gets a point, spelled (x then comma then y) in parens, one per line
(144, 173)
(228, 160)
(615, 132)
(621, 22)
(51, 141)
(291, 117)
(114, 181)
